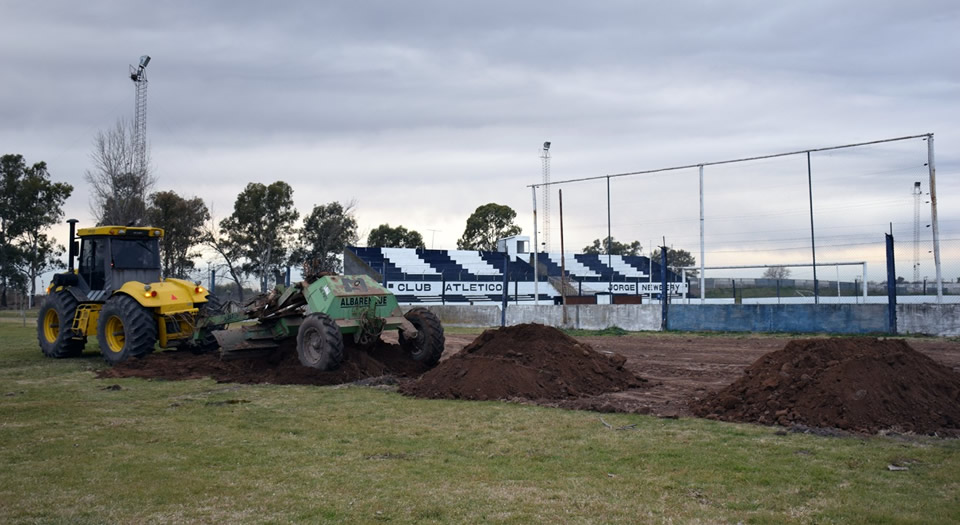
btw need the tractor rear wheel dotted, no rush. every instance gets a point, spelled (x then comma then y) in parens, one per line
(54, 323)
(125, 329)
(428, 345)
(319, 342)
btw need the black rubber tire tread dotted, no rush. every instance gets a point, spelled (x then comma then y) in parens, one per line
(332, 339)
(139, 329)
(428, 347)
(208, 342)
(65, 304)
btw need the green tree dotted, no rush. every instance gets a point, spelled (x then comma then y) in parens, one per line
(616, 248)
(486, 225)
(326, 232)
(182, 221)
(118, 188)
(260, 228)
(676, 259)
(384, 236)
(29, 204)
(41, 254)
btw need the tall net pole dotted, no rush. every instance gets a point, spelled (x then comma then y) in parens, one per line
(545, 207)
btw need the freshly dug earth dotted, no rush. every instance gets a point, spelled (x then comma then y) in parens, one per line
(528, 361)
(280, 368)
(859, 384)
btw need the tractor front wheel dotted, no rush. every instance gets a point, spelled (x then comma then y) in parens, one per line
(427, 347)
(54, 323)
(319, 342)
(125, 329)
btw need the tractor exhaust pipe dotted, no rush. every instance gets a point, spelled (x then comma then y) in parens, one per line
(73, 249)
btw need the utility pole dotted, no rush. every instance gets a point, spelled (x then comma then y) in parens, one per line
(917, 196)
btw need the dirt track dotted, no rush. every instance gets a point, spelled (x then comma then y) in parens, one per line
(677, 368)
(680, 367)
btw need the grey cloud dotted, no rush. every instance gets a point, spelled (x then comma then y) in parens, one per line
(451, 99)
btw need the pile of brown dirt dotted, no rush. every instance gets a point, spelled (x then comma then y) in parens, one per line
(859, 384)
(528, 361)
(280, 368)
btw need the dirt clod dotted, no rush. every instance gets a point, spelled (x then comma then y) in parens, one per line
(528, 361)
(854, 384)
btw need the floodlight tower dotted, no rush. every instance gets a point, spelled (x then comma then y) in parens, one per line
(545, 157)
(917, 196)
(139, 77)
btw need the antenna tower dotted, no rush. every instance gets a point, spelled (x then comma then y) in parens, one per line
(545, 157)
(139, 76)
(917, 195)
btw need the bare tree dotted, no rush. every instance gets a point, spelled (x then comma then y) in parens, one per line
(776, 272)
(118, 187)
(213, 237)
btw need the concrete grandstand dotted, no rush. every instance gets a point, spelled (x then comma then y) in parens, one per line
(477, 277)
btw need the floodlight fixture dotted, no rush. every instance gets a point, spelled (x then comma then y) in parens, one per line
(546, 145)
(144, 60)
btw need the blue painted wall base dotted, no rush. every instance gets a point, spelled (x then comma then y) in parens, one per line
(823, 318)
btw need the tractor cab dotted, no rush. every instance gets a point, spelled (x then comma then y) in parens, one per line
(113, 255)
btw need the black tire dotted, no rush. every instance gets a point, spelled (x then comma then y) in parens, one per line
(428, 346)
(208, 342)
(319, 342)
(125, 329)
(54, 323)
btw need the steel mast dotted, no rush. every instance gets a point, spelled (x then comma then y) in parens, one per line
(138, 75)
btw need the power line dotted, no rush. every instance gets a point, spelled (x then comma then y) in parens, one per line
(731, 161)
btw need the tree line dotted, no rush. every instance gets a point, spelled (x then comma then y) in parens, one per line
(259, 239)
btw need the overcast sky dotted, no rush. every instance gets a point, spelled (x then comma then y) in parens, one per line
(422, 111)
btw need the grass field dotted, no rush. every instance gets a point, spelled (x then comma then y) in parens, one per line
(74, 449)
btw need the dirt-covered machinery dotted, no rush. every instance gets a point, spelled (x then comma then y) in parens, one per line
(116, 294)
(319, 313)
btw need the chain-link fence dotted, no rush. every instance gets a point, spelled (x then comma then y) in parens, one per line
(763, 221)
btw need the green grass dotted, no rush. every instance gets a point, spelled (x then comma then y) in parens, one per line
(17, 314)
(73, 451)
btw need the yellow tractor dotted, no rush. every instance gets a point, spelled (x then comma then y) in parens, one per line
(117, 295)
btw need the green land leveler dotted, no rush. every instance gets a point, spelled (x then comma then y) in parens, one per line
(320, 313)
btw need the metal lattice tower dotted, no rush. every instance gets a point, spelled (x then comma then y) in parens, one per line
(917, 196)
(545, 157)
(139, 76)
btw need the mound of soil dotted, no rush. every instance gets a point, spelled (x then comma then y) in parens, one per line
(528, 361)
(280, 368)
(859, 384)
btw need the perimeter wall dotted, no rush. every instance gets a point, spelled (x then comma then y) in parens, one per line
(917, 319)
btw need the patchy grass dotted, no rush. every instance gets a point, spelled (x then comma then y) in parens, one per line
(465, 330)
(79, 450)
(615, 331)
